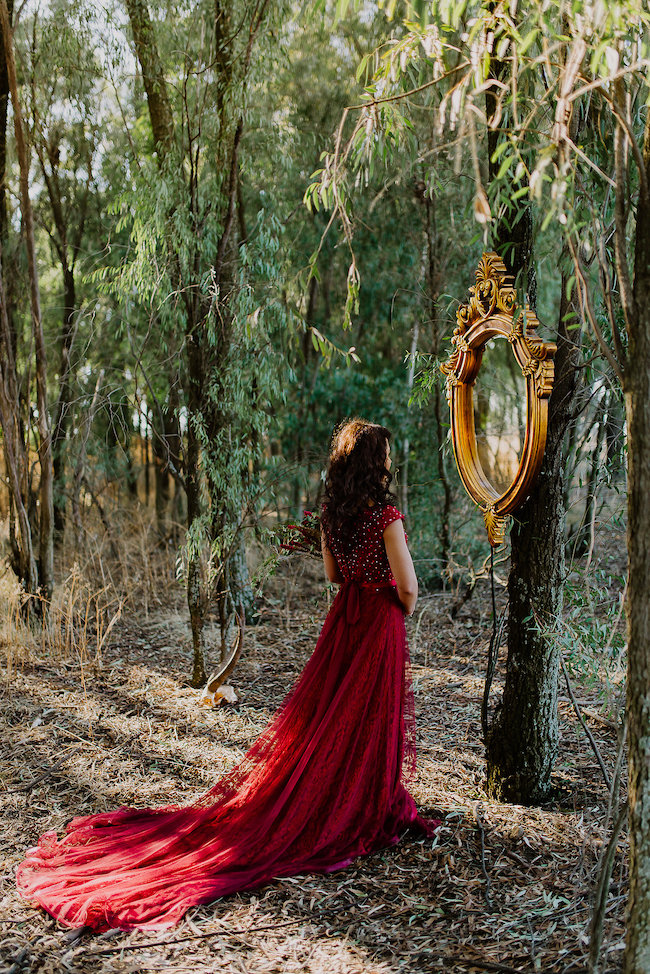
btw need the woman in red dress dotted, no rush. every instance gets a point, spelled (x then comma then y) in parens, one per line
(323, 783)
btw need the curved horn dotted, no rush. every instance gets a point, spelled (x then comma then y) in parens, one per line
(219, 678)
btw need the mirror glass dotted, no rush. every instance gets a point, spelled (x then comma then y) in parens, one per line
(499, 413)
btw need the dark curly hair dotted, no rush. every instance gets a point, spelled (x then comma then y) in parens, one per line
(356, 475)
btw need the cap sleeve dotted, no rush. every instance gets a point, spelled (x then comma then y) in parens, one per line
(387, 516)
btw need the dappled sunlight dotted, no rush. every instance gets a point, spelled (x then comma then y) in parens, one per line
(503, 882)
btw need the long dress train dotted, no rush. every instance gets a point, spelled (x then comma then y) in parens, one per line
(320, 786)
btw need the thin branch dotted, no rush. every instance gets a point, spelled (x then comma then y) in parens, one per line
(641, 65)
(481, 830)
(636, 148)
(225, 932)
(587, 311)
(602, 891)
(606, 285)
(412, 91)
(585, 728)
(620, 215)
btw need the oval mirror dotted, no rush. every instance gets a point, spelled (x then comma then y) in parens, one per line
(490, 315)
(499, 413)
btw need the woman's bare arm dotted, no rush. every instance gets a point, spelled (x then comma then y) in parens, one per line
(331, 567)
(401, 565)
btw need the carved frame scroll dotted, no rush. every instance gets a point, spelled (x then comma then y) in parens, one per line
(492, 312)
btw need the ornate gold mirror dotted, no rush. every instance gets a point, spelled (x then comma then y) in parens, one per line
(490, 313)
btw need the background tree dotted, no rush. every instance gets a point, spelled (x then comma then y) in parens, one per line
(39, 581)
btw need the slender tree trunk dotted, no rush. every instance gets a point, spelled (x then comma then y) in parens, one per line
(444, 534)
(80, 466)
(162, 480)
(583, 538)
(62, 410)
(637, 401)
(25, 564)
(239, 584)
(304, 404)
(46, 540)
(204, 360)
(21, 551)
(615, 437)
(153, 76)
(433, 279)
(410, 378)
(195, 581)
(144, 433)
(166, 447)
(4, 104)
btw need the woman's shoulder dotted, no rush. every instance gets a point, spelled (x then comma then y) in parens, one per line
(385, 514)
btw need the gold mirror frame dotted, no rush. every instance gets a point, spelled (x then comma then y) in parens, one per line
(490, 312)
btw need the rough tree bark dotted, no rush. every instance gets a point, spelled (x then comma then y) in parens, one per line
(16, 462)
(46, 539)
(4, 104)
(13, 443)
(637, 401)
(153, 76)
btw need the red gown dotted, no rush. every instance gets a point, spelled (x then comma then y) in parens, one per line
(320, 786)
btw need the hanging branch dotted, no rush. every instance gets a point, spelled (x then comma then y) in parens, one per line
(585, 728)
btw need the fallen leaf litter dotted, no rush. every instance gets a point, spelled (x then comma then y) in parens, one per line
(500, 888)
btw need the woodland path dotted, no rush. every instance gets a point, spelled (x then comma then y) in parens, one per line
(500, 888)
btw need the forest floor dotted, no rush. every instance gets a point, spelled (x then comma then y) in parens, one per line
(500, 888)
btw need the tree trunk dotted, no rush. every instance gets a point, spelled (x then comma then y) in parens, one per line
(46, 540)
(444, 534)
(162, 479)
(4, 104)
(62, 410)
(410, 378)
(195, 581)
(583, 539)
(153, 76)
(166, 447)
(22, 556)
(522, 742)
(615, 437)
(240, 579)
(144, 435)
(637, 400)
(79, 473)
(434, 273)
(24, 560)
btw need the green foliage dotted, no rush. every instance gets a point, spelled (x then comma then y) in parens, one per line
(376, 118)
(593, 635)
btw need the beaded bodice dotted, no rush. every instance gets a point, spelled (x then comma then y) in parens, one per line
(363, 559)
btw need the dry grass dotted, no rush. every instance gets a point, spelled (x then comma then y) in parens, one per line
(500, 888)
